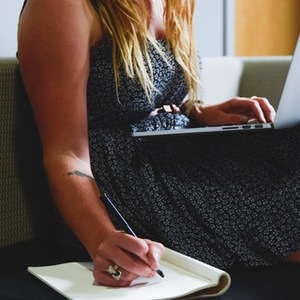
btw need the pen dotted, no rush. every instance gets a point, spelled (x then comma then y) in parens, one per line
(121, 221)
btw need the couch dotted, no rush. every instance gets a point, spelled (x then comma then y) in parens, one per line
(27, 228)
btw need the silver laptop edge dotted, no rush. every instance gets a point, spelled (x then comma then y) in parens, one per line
(288, 112)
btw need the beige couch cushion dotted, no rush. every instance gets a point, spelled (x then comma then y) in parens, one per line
(221, 78)
(228, 77)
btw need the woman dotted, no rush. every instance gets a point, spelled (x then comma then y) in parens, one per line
(97, 70)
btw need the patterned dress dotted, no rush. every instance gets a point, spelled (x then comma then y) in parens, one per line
(223, 199)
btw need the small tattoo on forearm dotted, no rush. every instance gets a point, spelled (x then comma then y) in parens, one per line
(78, 173)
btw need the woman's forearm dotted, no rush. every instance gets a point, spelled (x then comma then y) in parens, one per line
(76, 195)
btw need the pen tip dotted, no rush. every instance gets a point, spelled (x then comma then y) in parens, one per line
(160, 273)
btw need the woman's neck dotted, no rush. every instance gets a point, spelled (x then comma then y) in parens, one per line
(157, 26)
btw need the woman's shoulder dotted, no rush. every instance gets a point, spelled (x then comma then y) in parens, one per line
(60, 18)
(54, 42)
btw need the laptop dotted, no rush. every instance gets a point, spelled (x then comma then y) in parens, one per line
(287, 115)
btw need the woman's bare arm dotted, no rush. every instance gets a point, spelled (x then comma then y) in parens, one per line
(54, 42)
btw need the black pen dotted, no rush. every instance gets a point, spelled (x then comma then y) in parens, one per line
(121, 221)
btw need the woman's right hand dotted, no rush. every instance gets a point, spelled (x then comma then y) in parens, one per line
(134, 257)
(237, 110)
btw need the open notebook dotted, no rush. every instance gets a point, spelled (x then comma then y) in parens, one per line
(184, 278)
(287, 115)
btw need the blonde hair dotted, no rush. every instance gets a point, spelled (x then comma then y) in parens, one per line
(126, 21)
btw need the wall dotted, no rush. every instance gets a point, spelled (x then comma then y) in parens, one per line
(209, 27)
(9, 14)
(214, 27)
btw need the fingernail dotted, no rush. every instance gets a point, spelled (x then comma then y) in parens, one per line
(157, 256)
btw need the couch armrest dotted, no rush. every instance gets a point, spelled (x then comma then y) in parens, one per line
(24, 197)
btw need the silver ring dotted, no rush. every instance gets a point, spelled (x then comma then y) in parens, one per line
(114, 272)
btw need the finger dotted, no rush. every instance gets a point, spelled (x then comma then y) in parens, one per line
(101, 274)
(260, 107)
(143, 261)
(156, 250)
(245, 107)
(104, 278)
(134, 264)
(230, 119)
(128, 252)
(268, 109)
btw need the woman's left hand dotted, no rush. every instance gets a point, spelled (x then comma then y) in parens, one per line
(235, 111)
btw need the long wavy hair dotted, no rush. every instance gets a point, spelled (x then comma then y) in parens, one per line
(127, 22)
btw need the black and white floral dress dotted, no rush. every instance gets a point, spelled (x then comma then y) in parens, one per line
(223, 199)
